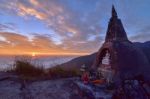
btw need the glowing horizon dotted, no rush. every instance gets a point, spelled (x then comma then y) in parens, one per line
(43, 54)
(66, 27)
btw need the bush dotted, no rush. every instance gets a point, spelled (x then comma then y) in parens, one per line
(26, 69)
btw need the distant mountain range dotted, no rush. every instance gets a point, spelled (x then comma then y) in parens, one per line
(76, 63)
(88, 60)
(145, 47)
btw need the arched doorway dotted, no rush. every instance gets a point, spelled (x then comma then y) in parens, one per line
(105, 66)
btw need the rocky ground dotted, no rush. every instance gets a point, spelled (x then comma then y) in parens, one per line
(70, 88)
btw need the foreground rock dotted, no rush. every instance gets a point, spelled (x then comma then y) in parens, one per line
(11, 87)
(69, 88)
(48, 89)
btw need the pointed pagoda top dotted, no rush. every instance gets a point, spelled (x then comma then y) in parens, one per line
(114, 13)
(115, 30)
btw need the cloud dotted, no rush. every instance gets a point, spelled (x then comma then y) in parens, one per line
(34, 2)
(15, 40)
(78, 25)
(142, 35)
(15, 43)
(25, 11)
(8, 27)
(72, 26)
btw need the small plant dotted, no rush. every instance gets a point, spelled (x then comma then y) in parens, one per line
(26, 69)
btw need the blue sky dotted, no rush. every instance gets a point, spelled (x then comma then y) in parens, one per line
(67, 26)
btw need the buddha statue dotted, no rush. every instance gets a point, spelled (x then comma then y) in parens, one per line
(106, 59)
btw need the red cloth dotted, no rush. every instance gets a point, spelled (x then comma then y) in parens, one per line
(85, 78)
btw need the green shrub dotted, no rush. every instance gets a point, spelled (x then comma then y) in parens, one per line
(26, 69)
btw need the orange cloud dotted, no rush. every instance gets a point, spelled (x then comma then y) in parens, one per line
(17, 44)
(34, 2)
(24, 11)
(72, 27)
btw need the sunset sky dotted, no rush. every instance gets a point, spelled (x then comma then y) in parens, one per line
(67, 27)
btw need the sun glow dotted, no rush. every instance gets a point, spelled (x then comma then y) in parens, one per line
(33, 54)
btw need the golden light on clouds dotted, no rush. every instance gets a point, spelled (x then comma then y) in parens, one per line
(34, 2)
(17, 44)
(36, 28)
(33, 54)
(23, 11)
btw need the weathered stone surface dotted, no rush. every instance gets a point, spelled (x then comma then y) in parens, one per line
(115, 29)
(69, 88)
(127, 59)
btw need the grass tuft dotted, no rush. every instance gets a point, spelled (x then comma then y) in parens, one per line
(26, 69)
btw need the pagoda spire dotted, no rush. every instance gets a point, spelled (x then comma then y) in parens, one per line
(114, 13)
(115, 30)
